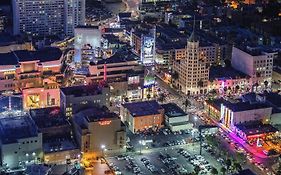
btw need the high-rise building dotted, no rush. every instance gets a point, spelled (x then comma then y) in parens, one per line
(45, 17)
(190, 73)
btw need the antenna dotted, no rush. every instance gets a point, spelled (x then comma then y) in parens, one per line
(194, 23)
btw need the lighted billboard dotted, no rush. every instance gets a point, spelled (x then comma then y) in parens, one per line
(148, 49)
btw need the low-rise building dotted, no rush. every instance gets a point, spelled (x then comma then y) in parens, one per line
(58, 141)
(21, 142)
(75, 98)
(237, 113)
(139, 116)
(98, 132)
(175, 118)
(227, 78)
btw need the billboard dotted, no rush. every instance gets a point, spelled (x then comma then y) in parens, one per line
(148, 49)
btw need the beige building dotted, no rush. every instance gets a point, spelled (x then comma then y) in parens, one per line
(255, 63)
(191, 72)
(98, 132)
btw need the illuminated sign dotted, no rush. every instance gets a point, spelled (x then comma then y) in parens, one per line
(106, 122)
(148, 49)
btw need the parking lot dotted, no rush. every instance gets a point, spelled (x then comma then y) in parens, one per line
(178, 159)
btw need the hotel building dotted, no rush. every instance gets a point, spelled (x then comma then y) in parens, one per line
(43, 17)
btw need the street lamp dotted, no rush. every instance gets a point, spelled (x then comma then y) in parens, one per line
(142, 143)
(103, 149)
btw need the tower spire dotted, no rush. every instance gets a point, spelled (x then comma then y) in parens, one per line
(193, 37)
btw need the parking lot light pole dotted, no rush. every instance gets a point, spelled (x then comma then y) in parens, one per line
(142, 143)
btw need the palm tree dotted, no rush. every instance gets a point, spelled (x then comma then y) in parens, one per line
(214, 171)
(196, 169)
(228, 163)
(148, 96)
(237, 167)
(186, 103)
(223, 170)
(265, 83)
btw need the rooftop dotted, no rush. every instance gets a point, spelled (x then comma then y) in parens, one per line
(222, 73)
(59, 143)
(48, 117)
(173, 110)
(119, 57)
(216, 103)
(43, 55)
(93, 114)
(14, 128)
(143, 108)
(255, 127)
(80, 91)
(245, 106)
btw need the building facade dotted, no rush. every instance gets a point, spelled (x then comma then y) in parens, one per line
(76, 98)
(42, 17)
(140, 116)
(191, 73)
(21, 142)
(256, 64)
(99, 132)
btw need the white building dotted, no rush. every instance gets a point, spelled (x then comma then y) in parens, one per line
(175, 118)
(45, 17)
(238, 113)
(258, 65)
(191, 72)
(21, 142)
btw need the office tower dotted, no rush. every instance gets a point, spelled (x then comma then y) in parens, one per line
(47, 17)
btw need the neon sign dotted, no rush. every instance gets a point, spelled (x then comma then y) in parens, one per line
(102, 123)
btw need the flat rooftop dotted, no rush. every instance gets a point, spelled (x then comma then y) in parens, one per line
(173, 110)
(143, 108)
(48, 117)
(59, 143)
(245, 106)
(93, 114)
(80, 91)
(223, 73)
(14, 128)
(255, 127)
(119, 57)
(43, 55)
(216, 103)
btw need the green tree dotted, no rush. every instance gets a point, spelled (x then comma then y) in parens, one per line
(196, 169)
(237, 167)
(228, 163)
(223, 170)
(214, 171)
(186, 103)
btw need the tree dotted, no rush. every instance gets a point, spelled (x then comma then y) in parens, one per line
(223, 170)
(237, 167)
(196, 169)
(214, 171)
(186, 103)
(265, 83)
(228, 163)
(200, 83)
(161, 97)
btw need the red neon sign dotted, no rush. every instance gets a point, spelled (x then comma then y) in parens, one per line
(107, 122)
